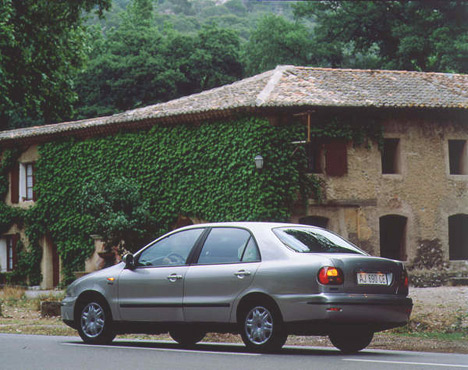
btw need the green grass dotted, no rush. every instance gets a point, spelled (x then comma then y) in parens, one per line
(458, 336)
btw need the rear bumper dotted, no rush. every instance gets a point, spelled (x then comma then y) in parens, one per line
(326, 327)
(322, 313)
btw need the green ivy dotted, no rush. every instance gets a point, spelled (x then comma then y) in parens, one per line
(28, 266)
(203, 171)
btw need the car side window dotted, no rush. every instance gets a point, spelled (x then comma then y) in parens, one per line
(172, 250)
(228, 245)
(251, 252)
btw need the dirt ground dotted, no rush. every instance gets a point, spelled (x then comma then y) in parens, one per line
(439, 323)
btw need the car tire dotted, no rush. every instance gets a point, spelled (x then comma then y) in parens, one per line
(262, 328)
(187, 337)
(95, 322)
(351, 342)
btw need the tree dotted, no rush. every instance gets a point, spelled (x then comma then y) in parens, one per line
(277, 41)
(183, 6)
(137, 64)
(41, 47)
(129, 67)
(216, 58)
(427, 35)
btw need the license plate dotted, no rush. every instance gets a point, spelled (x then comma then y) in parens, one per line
(365, 278)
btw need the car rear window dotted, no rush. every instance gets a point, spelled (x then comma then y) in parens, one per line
(311, 240)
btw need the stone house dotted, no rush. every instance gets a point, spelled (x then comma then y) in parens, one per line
(407, 199)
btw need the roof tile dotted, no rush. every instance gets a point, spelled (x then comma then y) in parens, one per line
(287, 86)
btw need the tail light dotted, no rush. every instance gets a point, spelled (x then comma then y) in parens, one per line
(405, 279)
(330, 276)
(404, 283)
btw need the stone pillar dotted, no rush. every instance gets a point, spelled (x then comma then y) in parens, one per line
(96, 262)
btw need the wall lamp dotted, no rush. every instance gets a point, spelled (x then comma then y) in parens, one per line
(258, 162)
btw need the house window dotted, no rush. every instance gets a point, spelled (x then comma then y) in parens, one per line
(315, 157)
(14, 184)
(22, 183)
(29, 181)
(393, 237)
(330, 157)
(458, 237)
(8, 252)
(391, 156)
(26, 182)
(458, 157)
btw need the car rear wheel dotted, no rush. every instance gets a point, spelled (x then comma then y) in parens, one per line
(186, 336)
(262, 328)
(351, 342)
(95, 322)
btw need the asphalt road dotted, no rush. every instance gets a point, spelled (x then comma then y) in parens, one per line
(48, 352)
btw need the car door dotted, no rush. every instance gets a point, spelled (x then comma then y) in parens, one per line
(153, 290)
(226, 266)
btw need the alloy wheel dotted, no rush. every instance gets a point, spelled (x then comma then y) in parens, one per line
(92, 320)
(259, 325)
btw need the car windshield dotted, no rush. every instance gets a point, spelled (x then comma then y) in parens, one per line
(311, 240)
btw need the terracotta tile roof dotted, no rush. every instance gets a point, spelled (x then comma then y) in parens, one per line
(285, 86)
(369, 88)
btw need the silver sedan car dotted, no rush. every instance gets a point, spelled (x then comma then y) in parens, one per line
(261, 280)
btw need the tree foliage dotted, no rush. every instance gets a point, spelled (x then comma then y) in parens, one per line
(277, 41)
(215, 60)
(41, 47)
(412, 35)
(52, 68)
(137, 64)
(128, 67)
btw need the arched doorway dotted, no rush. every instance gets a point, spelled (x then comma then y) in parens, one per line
(458, 237)
(393, 237)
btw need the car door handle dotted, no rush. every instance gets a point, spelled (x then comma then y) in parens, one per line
(174, 277)
(242, 273)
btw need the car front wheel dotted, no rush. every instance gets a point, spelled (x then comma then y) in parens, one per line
(262, 328)
(351, 342)
(95, 322)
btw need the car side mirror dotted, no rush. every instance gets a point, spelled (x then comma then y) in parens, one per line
(129, 261)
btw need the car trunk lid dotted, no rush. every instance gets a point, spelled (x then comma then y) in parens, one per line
(372, 275)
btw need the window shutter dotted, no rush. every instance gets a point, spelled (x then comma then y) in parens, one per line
(336, 158)
(14, 184)
(9, 251)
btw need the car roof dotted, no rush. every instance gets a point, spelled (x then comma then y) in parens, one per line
(253, 225)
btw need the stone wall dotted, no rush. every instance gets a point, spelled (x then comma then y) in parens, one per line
(423, 191)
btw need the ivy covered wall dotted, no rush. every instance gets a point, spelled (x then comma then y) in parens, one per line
(204, 171)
